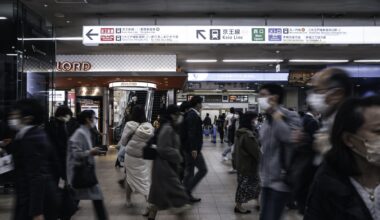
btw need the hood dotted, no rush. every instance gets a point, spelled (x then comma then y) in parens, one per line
(145, 130)
(132, 125)
(243, 131)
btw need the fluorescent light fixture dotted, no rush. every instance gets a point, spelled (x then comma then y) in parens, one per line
(201, 61)
(317, 61)
(253, 61)
(3, 18)
(236, 77)
(366, 61)
(12, 54)
(52, 39)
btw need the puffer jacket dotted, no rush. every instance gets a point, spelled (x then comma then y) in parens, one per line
(139, 135)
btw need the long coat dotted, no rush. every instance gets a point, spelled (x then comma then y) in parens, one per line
(35, 169)
(79, 148)
(166, 190)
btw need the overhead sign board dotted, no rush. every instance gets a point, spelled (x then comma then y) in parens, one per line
(57, 95)
(95, 35)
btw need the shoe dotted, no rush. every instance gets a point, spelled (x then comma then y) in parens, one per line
(241, 212)
(232, 171)
(192, 199)
(225, 158)
(121, 183)
(181, 209)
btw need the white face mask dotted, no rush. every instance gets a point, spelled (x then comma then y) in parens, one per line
(15, 124)
(264, 103)
(317, 102)
(372, 154)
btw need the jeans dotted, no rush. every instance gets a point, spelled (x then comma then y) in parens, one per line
(272, 203)
(191, 180)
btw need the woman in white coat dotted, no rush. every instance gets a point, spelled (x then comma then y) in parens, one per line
(136, 134)
(80, 150)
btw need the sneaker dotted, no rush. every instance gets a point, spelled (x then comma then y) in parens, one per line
(232, 171)
(225, 158)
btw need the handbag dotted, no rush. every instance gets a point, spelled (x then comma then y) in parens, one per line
(149, 152)
(84, 176)
(68, 205)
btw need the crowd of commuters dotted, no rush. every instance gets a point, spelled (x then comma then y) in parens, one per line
(326, 161)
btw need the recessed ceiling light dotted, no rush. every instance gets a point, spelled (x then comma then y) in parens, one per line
(253, 61)
(3, 18)
(68, 21)
(317, 61)
(69, 79)
(59, 15)
(201, 61)
(46, 5)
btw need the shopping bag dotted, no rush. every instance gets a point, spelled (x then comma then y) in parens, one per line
(6, 164)
(206, 131)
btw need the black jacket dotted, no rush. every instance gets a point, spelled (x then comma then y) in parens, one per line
(333, 197)
(35, 167)
(59, 135)
(194, 137)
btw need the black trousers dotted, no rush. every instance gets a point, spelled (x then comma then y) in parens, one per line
(100, 209)
(191, 179)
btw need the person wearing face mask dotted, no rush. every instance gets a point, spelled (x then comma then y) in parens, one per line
(347, 185)
(247, 156)
(329, 89)
(35, 164)
(81, 152)
(166, 191)
(278, 137)
(58, 133)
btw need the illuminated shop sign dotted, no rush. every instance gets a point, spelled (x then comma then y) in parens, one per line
(95, 35)
(73, 66)
(132, 84)
(236, 77)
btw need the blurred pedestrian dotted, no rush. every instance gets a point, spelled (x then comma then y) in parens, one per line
(156, 123)
(207, 124)
(231, 124)
(81, 164)
(277, 140)
(220, 126)
(136, 135)
(184, 109)
(166, 191)
(59, 135)
(247, 157)
(347, 185)
(329, 89)
(35, 163)
(194, 143)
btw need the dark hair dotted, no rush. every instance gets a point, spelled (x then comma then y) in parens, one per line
(195, 101)
(138, 114)
(84, 115)
(30, 107)
(207, 114)
(275, 89)
(348, 119)
(246, 120)
(171, 109)
(232, 110)
(63, 110)
(340, 79)
(184, 106)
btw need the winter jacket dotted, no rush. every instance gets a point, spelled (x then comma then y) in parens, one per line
(138, 135)
(247, 152)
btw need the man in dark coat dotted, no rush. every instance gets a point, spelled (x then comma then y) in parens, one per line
(193, 148)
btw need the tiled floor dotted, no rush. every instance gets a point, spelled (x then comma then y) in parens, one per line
(217, 191)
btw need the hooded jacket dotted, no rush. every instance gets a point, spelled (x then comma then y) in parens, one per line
(139, 135)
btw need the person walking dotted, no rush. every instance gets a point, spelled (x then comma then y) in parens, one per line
(220, 126)
(231, 126)
(36, 165)
(166, 191)
(347, 185)
(194, 143)
(207, 124)
(81, 164)
(136, 135)
(278, 138)
(58, 133)
(247, 156)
